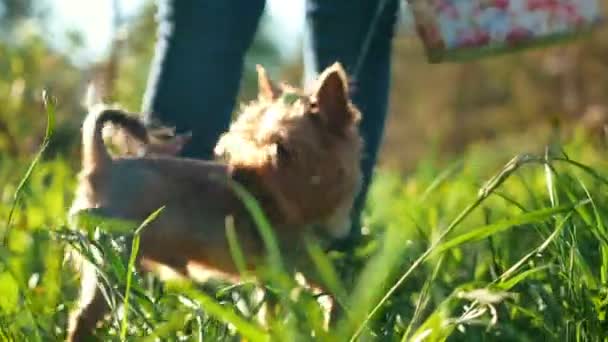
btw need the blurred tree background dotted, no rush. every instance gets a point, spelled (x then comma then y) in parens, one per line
(29, 63)
(512, 102)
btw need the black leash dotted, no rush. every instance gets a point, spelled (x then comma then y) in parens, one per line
(354, 237)
(368, 39)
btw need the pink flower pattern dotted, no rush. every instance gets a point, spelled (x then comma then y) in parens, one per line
(454, 24)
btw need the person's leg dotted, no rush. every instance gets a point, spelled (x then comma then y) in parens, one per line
(336, 31)
(197, 67)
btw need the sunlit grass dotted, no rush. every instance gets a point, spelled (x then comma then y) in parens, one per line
(471, 251)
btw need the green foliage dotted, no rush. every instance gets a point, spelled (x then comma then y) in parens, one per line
(14, 11)
(447, 256)
(26, 69)
(516, 98)
(539, 236)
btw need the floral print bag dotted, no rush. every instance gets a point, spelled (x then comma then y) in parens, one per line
(456, 30)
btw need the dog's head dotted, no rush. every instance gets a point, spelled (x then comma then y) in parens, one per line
(304, 147)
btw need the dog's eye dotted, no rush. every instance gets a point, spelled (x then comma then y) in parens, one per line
(315, 118)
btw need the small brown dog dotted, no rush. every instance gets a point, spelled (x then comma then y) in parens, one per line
(297, 153)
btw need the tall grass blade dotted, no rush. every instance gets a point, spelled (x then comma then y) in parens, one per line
(235, 248)
(49, 105)
(263, 225)
(372, 282)
(491, 229)
(495, 182)
(539, 249)
(326, 271)
(131, 268)
(213, 308)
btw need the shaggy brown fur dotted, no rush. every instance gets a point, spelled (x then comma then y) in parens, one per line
(297, 153)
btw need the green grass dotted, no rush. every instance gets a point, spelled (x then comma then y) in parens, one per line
(473, 251)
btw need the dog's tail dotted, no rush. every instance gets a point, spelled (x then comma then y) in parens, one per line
(94, 152)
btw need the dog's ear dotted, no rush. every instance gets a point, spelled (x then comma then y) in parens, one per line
(332, 99)
(267, 90)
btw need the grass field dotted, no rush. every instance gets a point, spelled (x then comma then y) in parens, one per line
(481, 249)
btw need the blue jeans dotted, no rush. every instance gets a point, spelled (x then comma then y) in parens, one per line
(198, 63)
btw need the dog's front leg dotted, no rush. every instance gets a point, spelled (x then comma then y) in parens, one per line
(92, 307)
